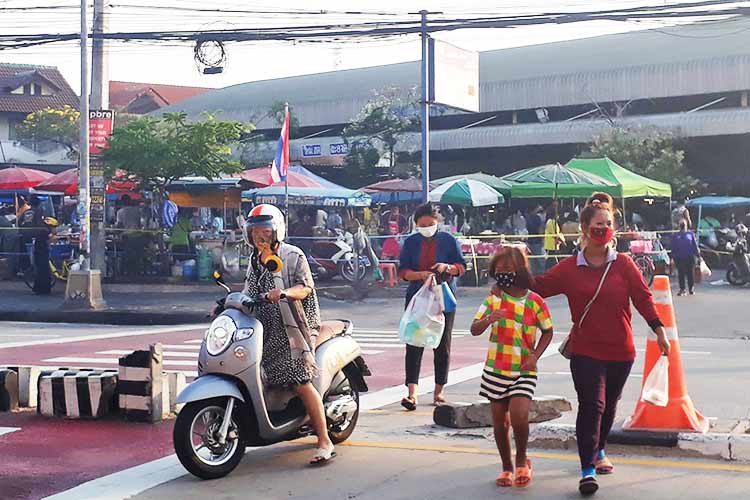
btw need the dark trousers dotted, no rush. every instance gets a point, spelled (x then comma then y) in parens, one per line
(685, 270)
(599, 386)
(42, 278)
(442, 356)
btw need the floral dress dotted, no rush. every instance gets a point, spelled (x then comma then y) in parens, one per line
(279, 367)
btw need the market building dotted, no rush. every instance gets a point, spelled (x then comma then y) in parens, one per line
(539, 103)
(26, 89)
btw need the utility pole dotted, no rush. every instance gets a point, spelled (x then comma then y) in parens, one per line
(425, 105)
(84, 290)
(99, 100)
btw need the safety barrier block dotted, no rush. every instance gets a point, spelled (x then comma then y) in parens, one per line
(28, 377)
(8, 390)
(143, 389)
(176, 382)
(77, 394)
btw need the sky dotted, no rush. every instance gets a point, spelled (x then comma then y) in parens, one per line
(171, 63)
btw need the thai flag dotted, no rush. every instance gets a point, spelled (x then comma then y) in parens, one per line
(280, 165)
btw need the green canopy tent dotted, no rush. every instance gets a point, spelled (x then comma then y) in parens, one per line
(501, 186)
(630, 184)
(556, 181)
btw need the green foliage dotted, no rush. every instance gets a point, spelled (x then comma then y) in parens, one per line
(373, 135)
(651, 152)
(158, 151)
(56, 125)
(276, 113)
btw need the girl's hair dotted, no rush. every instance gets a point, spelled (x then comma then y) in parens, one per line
(426, 210)
(597, 201)
(519, 261)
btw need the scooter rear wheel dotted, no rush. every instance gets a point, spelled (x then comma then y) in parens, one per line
(200, 420)
(734, 277)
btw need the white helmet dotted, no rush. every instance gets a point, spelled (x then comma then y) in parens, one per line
(267, 216)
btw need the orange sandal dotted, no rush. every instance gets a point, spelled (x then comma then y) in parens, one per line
(504, 479)
(523, 475)
(604, 466)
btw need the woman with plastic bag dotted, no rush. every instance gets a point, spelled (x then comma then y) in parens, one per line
(685, 254)
(429, 254)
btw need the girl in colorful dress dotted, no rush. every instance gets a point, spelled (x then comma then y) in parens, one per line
(509, 378)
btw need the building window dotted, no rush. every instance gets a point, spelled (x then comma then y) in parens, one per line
(37, 88)
(27, 89)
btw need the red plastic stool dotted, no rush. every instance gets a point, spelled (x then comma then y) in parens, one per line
(390, 275)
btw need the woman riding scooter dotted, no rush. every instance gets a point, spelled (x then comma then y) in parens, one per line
(287, 358)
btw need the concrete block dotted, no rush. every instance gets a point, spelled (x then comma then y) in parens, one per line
(143, 396)
(77, 394)
(8, 390)
(177, 382)
(465, 415)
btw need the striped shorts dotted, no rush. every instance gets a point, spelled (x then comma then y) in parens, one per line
(496, 387)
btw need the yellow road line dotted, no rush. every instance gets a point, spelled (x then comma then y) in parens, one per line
(567, 457)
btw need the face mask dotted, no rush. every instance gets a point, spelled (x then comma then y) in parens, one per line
(601, 235)
(429, 231)
(505, 280)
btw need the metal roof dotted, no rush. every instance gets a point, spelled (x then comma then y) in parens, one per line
(680, 60)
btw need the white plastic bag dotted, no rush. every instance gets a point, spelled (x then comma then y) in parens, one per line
(656, 386)
(423, 321)
(705, 270)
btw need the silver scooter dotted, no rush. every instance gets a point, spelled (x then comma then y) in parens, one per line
(231, 383)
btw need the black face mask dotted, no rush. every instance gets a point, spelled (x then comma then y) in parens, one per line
(505, 280)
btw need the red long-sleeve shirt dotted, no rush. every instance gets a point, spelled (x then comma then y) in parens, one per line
(606, 333)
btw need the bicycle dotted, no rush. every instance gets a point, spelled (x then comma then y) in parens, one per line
(61, 273)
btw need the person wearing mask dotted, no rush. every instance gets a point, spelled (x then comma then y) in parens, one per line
(602, 282)
(685, 254)
(428, 253)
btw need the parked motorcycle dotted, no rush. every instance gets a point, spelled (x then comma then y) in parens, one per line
(738, 271)
(229, 406)
(331, 257)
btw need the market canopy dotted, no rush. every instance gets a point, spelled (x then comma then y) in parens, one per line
(338, 197)
(466, 192)
(718, 201)
(22, 178)
(498, 184)
(630, 184)
(298, 176)
(396, 190)
(556, 181)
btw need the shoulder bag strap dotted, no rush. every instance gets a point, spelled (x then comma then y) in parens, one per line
(596, 294)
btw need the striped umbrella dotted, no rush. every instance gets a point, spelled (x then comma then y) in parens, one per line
(466, 192)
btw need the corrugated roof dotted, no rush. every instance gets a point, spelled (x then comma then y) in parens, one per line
(18, 74)
(681, 60)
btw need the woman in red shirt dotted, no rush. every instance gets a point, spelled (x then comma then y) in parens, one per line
(601, 346)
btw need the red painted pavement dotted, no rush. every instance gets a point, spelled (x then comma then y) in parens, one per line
(52, 455)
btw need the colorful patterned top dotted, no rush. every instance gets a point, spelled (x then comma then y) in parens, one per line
(513, 338)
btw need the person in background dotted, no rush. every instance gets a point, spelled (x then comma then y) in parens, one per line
(321, 218)
(601, 342)
(428, 253)
(535, 227)
(168, 212)
(129, 216)
(679, 213)
(685, 253)
(334, 221)
(23, 206)
(42, 232)
(553, 239)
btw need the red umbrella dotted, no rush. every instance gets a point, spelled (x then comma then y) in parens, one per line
(21, 178)
(262, 178)
(66, 182)
(410, 185)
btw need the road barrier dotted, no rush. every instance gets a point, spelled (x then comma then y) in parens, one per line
(8, 390)
(86, 393)
(679, 415)
(28, 378)
(143, 388)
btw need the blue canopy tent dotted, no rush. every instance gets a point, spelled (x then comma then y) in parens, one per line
(337, 197)
(716, 202)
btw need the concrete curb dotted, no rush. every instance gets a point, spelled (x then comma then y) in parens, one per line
(729, 446)
(106, 317)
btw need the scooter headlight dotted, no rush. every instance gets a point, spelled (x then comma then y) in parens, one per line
(220, 335)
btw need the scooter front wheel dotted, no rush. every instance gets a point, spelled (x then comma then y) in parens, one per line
(734, 276)
(196, 439)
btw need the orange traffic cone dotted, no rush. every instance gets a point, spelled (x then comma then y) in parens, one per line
(679, 415)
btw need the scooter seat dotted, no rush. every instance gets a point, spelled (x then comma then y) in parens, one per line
(330, 329)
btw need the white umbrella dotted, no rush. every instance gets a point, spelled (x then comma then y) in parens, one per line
(466, 192)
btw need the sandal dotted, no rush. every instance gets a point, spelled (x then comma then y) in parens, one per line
(504, 479)
(588, 486)
(523, 475)
(440, 400)
(409, 403)
(604, 466)
(323, 456)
